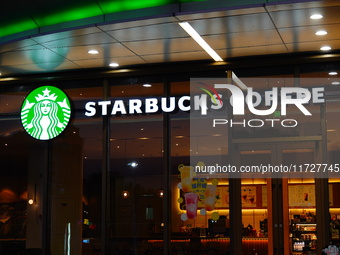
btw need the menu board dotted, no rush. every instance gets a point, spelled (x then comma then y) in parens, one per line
(304, 195)
(222, 194)
(301, 195)
(248, 196)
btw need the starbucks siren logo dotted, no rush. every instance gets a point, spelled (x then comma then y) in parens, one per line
(45, 112)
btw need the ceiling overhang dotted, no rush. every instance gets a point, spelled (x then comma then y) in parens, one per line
(146, 35)
(25, 18)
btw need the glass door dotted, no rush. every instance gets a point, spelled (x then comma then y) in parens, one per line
(256, 236)
(280, 194)
(300, 201)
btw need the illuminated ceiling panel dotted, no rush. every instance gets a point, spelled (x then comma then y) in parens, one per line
(17, 18)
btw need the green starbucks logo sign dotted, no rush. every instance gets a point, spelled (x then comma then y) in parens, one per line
(45, 112)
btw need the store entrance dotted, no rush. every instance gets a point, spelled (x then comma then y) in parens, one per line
(279, 201)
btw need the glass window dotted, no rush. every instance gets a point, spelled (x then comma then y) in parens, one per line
(20, 191)
(200, 207)
(76, 175)
(11, 100)
(136, 166)
(60, 183)
(15, 192)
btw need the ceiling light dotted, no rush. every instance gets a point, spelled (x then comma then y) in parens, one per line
(325, 48)
(316, 16)
(114, 65)
(147, 85)
(336, 83)
(125, 194)
(321, 32)
(161, 193)
(133, 164)
(332, 73)
(192, 32)
(8, 79)
(93, 52)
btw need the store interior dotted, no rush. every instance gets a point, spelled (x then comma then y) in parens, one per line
(137, 182)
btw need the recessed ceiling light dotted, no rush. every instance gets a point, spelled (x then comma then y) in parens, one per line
(125, 194)
(93, 52)
(147, 85)
(336, 83)
(321, 32)
(193, 33)
(316, 16)
(114, 65)
(332, 73)
(325, 48)
(133, 164)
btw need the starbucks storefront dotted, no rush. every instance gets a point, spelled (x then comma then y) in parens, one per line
(109, 166)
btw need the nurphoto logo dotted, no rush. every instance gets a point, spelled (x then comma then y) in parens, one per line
(45, 112)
